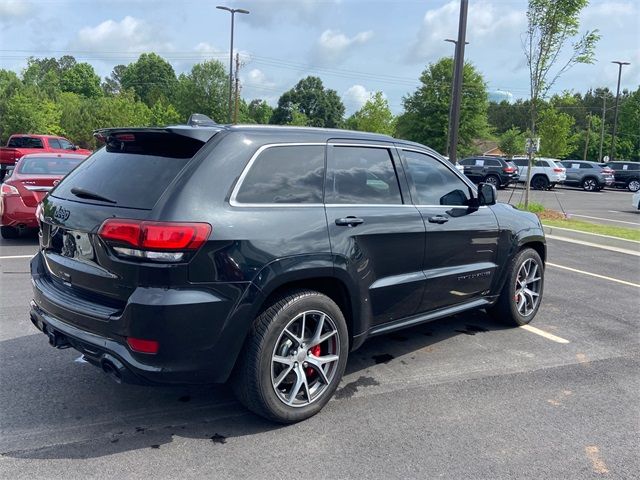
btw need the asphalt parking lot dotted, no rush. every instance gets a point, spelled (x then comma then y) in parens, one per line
(462, 397)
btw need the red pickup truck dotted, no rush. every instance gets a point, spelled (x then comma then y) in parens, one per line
(21, 144)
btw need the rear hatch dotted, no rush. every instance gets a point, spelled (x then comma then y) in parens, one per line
(121, 182)
(37, 175)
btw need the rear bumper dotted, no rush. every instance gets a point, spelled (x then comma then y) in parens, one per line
(13, 213)
(200, 330)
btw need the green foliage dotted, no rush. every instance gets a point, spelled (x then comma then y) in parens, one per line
(28, 111)
(259, 111)
(533, 207)
(322, 107)
(504, 115)
(112, 84)
(554, 128)
(374, 116)
(81, 79)
(205, 89)
(426, 115)
(10, 84)
(163, 113)
(150, 77)
(628, 138)
(512, 142)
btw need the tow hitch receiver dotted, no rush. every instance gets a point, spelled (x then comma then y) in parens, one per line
(56, 339)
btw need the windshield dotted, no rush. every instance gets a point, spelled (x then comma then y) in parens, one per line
(48, 165)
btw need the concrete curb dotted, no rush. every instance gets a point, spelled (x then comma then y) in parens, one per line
(595, 238)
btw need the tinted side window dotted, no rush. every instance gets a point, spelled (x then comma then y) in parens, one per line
(492, 163)
(435, 184)
(633, 166)
(66, 144)
(467, 161)
(541, 163)
(361, 175)
(25, 142)
(585, 165)
(287, 174)
(521, 163)
(54, 143)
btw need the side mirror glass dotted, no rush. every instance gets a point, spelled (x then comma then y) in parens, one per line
(487, 194)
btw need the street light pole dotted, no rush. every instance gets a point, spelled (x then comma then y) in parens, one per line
(457, 82)
(615, 115)
(453, 74)
(233, 11)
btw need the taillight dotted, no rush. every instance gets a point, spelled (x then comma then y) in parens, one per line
(559, 170)
(143, 346)
(159, 241)
(508, 170)
(7, 190)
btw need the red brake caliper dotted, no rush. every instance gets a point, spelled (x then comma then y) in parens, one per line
(315, 351)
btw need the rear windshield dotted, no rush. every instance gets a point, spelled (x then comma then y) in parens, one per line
(25, 142)
(132, 170)
(47, 165)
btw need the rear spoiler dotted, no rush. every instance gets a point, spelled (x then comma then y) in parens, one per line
(202, 134)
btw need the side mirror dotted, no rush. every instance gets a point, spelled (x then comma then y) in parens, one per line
(487, 194)
(75, 147)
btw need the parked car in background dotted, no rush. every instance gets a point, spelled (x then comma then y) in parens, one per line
(627, 175)
(546, 172)
(591, 176)
(496, 171)
(33, 176)
(19, 145)
(266, 255)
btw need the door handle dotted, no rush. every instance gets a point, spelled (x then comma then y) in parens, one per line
(349, 221)
(439, 219)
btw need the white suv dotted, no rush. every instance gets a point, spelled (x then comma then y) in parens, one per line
(546, 173)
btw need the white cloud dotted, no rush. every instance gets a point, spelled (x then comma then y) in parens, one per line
(488, 24)
(264, 13)
(12, 10)
(128, 35)
(355, 97)
(334, 46)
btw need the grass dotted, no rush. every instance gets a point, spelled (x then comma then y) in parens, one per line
(620, 232)
(533, 207)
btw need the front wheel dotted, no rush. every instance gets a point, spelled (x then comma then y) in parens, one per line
(590, 185)
(9, 232)
(539, 182)
(294, 358)
(634, 185)
(521, 295)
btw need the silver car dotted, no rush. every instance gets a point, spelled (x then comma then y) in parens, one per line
(591, 176)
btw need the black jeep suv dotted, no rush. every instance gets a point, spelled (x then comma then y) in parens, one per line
(265, 255)
(496, 171)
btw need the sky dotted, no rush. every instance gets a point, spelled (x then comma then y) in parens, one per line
(355, 46)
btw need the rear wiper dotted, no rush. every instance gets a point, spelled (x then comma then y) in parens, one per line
(82, 193)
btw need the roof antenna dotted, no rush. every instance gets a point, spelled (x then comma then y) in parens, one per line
(200, 120)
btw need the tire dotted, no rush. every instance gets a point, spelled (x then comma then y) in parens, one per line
(590, 184)
(9, 232)
(302, 390)
(492, 180)
(633, 185)
(508, 309)
(539, 182)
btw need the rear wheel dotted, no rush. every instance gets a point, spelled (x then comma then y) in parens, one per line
(539, 182)
(590, 184)
(492, 180)
(633, 185)
(9, 232)
(294, 358)
(520, 298)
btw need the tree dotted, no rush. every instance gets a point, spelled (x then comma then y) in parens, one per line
(205, 90)
(556, 139)
(322, 107)
(150, 77)
(28, 111)
(76, 119)
(81, 78)
(259, 111)
(374, 116)
(163, 113)
(512, 142)
(550, 25)
(628, 143)
(426, 114)
(10, 84)
(112, 84)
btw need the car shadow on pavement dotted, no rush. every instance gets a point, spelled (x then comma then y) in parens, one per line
(55, 406)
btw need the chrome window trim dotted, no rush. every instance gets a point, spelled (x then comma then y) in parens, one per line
(334, 205)
(234, 193)
(451, 168)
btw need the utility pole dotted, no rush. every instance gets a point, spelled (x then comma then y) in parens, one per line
(586, 142)
(235, 111)
(604, 110)
(457, 82)
(232, 11)
(453, 74)
(615, 115)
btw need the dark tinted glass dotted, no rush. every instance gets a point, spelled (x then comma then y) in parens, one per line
(435, 183)
(521, 162)
(468, 161)
(585, 165)
(492, 163)
(47, 165)
(361, 175)
(292, 174)
(67, 145)
(133, 173)
(25, 142)
(542, 163)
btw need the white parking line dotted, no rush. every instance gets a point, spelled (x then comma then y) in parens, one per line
(594, 245)
(604, 219)
(16, 256)
(610, 279)
(542, 333)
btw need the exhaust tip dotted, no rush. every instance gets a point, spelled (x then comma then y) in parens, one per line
(113, 368)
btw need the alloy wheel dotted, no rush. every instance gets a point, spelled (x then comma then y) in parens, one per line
(589, 185)
(634, 185)
(305, 358)
(528, 286)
